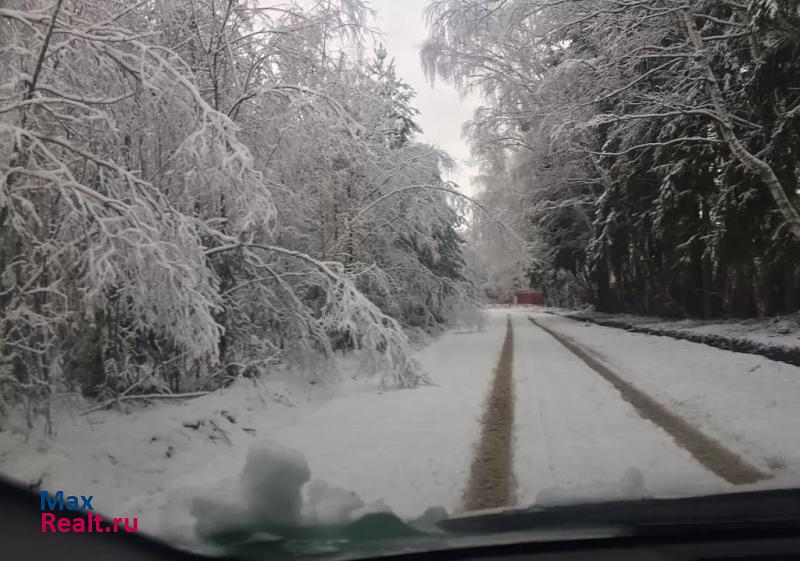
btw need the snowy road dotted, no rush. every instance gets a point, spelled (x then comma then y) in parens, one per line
(748, 403)
(575, 437)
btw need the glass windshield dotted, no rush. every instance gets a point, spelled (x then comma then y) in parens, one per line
(270, 270)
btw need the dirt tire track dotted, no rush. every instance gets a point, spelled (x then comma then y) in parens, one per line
(491, 484)
(711, 454)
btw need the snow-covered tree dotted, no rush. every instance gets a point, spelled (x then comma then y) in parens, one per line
(652, 137)
(190, 191)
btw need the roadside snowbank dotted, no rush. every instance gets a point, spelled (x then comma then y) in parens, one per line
(141, 463)
(776, 338)
(175, 464)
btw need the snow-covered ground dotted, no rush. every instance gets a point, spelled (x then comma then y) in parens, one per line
(576, 438)
(748, 403)
(140, 463)
(408, 448)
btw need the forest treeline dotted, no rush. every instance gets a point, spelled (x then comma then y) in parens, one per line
(195, 190)
(650, 151)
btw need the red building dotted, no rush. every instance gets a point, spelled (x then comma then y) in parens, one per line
(528, 297)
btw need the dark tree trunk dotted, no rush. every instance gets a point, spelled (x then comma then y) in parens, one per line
(604, 303)
(789, 290)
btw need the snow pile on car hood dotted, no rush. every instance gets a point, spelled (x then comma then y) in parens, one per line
(274, 490)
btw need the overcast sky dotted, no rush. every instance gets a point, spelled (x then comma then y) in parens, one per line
(442, 109)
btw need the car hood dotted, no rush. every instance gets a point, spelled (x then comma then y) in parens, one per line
(384, 534)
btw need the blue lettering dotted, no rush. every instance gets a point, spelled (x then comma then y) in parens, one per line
(57, 500)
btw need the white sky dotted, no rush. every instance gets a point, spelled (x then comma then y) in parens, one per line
(442, 111)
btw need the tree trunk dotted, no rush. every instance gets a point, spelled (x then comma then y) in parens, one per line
(789, 290)
(708, 288)
(603, 287)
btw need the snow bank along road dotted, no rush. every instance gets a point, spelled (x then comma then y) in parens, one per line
(575, 435)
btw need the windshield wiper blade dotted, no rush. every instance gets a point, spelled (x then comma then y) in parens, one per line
(378, 534)
(758, 507)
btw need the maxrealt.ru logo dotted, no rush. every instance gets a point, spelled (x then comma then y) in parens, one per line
(82, 503)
